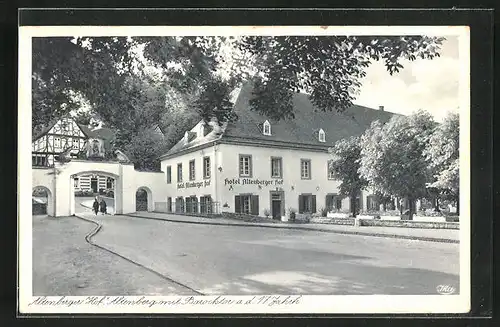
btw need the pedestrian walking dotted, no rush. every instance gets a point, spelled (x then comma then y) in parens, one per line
(103, 207)
(96, 205)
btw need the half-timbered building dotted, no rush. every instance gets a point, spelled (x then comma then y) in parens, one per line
(66, 137)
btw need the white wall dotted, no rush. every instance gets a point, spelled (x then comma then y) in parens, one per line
(292, 184)
(127, 181)
(45, 177)
(225, 165)
(204, 186)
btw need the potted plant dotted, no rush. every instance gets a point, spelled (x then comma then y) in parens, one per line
(267, 213)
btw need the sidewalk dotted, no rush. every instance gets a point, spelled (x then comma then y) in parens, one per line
(433, 235)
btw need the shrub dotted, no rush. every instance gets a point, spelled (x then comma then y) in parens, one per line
(430, 213)
(267, 213)
(323, 211)
(293, 214)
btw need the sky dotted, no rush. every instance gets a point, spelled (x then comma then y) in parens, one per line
(431, 85)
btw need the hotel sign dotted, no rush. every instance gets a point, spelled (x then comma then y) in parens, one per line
(253, 181)
(204, 183)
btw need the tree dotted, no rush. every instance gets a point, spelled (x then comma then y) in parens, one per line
(143, 150)
(442, 154)
(393, 159)
(113, 74)
(345, 166)
(328, 68)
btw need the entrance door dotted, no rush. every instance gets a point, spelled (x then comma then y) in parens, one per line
(276, 205)
(276, 208)
(93, 184)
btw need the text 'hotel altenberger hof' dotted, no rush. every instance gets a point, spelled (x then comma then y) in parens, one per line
(259, 167)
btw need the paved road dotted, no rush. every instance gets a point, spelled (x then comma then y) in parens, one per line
(65, 264)
(255, 260)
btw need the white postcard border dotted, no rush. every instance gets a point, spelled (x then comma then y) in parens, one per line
(306, 303)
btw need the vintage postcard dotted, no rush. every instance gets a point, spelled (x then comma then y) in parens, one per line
(240, 169)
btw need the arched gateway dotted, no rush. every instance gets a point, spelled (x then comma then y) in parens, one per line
(89, 184)
(144, 199)
(42, 201)
(101, 176)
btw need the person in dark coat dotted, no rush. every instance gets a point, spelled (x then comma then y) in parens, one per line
(103, 207)
(96, 206)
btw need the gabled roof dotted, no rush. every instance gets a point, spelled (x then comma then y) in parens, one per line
(103, 133)
(51, 124)
(304, 127)
(300, 131)
(184, 143)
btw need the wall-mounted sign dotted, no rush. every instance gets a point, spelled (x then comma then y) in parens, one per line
(205, 183)
(253, 181)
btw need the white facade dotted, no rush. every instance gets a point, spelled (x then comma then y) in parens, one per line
(59, 183)
(229, 183)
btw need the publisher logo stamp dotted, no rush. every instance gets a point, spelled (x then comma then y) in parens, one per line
(445, 289)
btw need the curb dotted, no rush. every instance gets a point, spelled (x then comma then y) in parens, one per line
(416, 238)
(88, 239)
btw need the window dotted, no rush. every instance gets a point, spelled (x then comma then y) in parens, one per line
(169, 174)
(245, 166)
(307, 203)
(206, 204)
(39, 161)
(57, 142)
(372, 203)
(169, 204)
(305, 168)
(276, 167)
(192, 204)
(179, 204)
(206, 167)
(246, 203)
(333, 202)
(266, 128)
(109, 183)
(75, 143)
(330, 172)
(179, 173)
(192, 170)
(321, 135)
(76, 183)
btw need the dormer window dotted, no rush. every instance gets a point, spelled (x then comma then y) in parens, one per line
(321, 136)
(189, 136)
(266, 128)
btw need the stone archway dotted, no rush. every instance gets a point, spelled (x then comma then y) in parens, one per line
(86, 185)
(143, 199)
(42, 201)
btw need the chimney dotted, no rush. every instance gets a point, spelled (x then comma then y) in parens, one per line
(381, 108)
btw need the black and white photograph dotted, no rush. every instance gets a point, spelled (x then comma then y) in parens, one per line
(219, 169)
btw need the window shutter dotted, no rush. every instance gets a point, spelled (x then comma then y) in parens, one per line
(301, 204)
(313, 206)
(237, 204)
(250, 166)
(254, 205)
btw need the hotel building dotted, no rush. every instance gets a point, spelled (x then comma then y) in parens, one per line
(261, 167)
